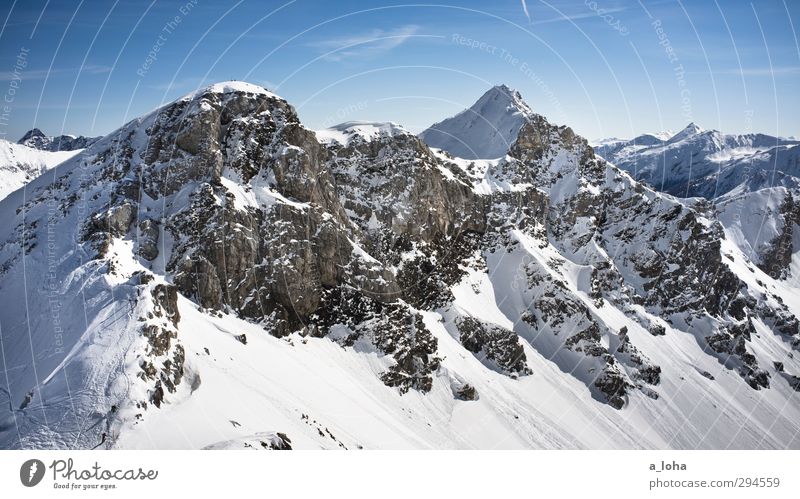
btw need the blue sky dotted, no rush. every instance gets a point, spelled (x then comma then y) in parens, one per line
(604, 67)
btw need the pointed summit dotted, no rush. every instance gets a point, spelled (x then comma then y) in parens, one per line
(485, 130)
(35, 132)
(690, 130)
(36, 139)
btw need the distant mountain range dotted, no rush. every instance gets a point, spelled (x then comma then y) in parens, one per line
(707, 163)
(36, 139)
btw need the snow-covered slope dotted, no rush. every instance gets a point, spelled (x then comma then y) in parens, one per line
(764, 225)
(697, 162)
(19, 164)
(215, 275)
(485, 130)
(344, 133)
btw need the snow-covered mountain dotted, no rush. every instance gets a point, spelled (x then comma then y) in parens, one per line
(19, 164)
(753, 180)
(216, 275)
(765, 225)
(345, 133)
(707, 163)
(36, 139)
(484, 131)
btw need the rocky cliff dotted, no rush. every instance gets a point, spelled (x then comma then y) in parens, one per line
(453, 276)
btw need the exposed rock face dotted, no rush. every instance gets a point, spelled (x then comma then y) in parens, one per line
(778, 255)
(467, 392)
(663, 254)
(398, 252)
(392, 328)
(354, 235)
(148, 239)
(267, 440)
(282, 442)
(162, 362)
(498, 346)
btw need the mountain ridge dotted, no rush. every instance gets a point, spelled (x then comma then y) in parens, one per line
(230, 264)
(36, 139)
(707, 163)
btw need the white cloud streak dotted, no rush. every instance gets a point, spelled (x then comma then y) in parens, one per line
(41, 74)
(367, 45)
(525, 10)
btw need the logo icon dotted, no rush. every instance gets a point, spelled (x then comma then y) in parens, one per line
(31, 472)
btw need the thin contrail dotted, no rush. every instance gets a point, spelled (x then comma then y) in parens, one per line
(525, 9)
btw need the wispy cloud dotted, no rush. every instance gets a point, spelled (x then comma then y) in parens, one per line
(575, 17)
(525, 10)
(41, 74)
(367, 45)
(777, 71)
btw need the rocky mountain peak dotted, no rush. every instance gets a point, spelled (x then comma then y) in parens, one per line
(485, 130)
(220, 214)
(689, 130)
(505, 97)
(34, 132)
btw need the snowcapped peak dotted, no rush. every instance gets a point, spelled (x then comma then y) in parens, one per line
(35, 132)
(502, 96)
(690, 130)
(367, 130)
(228, 87)
(237, 86)
(501, 90)
(608, 141)
(693, 127)
(486, 130)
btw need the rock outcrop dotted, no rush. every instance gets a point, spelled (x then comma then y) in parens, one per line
(224, 203)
